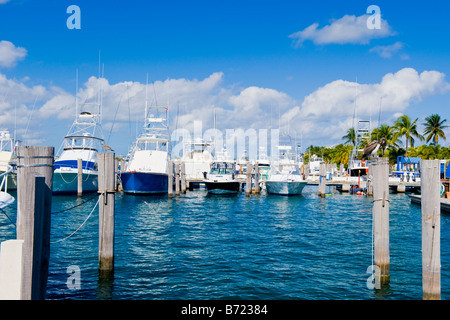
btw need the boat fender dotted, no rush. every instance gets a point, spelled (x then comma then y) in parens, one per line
(442, 190)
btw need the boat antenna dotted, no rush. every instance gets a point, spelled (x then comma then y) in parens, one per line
(99, 69)
(76, 94)
(146, 100)
(215, 131)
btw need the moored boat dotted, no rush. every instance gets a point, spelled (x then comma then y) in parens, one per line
(83, 141)
(146, 170)
(222, 177)
(285, 176)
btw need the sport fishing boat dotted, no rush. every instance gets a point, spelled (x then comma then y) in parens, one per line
(222, 176)
(197, 159)
(147, 167)
(83, 141)
(8, 160)
(285, 176)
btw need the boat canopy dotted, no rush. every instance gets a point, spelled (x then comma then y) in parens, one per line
(82, 142)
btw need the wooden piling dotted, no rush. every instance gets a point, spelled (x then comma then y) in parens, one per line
(370, 180)
(177, 178)
(322, 186)
(80, 177)
(34, 203)
(381, 218)
(248, 182)
(257, 187)
(183, 177)
(431, 229)
(116, 174)
(106, 214)
(170, 178)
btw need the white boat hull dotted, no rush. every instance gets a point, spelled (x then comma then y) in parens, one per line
(285, 187)
(67, 182)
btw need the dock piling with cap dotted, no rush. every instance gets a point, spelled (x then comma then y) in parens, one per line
(380, 214)
(34, 204)
(431, 229)
(106, 209)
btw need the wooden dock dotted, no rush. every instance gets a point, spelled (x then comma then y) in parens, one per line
(445, 202)
(344, 184)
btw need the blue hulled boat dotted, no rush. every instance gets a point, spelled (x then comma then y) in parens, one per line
(146, 170)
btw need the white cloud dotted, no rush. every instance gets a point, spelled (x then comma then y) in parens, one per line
(323, 115)
(332, 106)
(348, 29)
(10, 54)
(388, 51)
(4, 1)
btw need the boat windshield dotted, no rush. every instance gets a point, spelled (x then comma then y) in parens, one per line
(152, 145)
(222, 168)
(80, 142)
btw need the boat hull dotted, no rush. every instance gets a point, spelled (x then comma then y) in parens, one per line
(285, 187)
(67, 182)
(222, 187)
(144, 182)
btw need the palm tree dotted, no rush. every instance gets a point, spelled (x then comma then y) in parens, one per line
(387, 132)
(434, 128)
(405, 127)
(341, 154)
(350, 137)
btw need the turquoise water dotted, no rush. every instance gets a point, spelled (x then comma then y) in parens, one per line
(261, 247)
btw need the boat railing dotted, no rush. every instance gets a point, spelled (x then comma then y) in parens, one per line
(4, 178)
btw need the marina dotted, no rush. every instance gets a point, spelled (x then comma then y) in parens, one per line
(261, 247)
(285, 152)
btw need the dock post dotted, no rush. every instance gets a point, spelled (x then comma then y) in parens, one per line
(431, 229)
(106, 214)
(34, 204)
(380, 218)
(80, 177)
(248, 183)
(322, 186)
(116, 174)
(170, 178)
(257, 187)
(370, 180)
(177, 178)
(183, 177)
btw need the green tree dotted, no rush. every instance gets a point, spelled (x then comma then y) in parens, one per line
(350, 137)
(387, 132)
(434, 128)
(341, 154)
(403, 126)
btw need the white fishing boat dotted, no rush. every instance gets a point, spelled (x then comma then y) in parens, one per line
(222, 176)
(83, 141)
(5, 198)
(197, 158)
(8, 161)
(264, 165)
(285, 176)
(147, 166)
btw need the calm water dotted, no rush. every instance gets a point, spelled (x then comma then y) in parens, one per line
(262, 247)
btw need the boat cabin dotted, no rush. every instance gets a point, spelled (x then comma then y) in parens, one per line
(222, 168)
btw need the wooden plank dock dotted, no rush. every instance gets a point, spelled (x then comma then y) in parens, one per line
(445, 202)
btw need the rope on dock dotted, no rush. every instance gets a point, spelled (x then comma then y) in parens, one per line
(60, 240)
(8, 218)
(80, 204)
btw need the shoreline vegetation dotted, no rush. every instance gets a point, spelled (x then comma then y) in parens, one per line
(404, 130)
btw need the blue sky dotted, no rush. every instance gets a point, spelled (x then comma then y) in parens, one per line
(258, 63)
